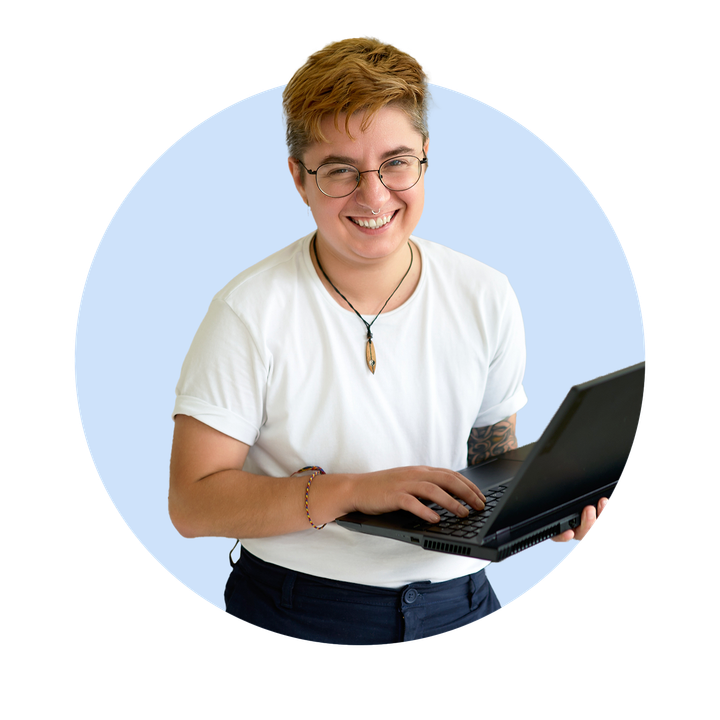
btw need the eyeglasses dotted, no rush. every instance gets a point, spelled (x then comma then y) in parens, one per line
(337, 180)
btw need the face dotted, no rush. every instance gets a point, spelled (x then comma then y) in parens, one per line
(341, 233)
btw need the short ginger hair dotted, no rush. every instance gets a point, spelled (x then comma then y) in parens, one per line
(349, 76)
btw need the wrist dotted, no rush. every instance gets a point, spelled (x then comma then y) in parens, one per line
(325, 497)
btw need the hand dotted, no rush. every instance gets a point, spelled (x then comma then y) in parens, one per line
(587, 520)
(401, 488)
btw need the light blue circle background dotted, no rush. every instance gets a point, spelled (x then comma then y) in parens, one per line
(221, 199)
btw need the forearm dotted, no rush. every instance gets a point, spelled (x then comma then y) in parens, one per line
(487, 442)
(238, 504)
(211, 496)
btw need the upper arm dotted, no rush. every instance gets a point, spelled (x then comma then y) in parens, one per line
(486, 442)
(199, 450)
(206, 496)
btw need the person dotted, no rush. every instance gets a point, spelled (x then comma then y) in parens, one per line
(357, 369)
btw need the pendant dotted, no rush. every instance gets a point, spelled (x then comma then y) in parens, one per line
(370, 356)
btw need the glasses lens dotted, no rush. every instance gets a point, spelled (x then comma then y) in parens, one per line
(337, 179)
(400, 173)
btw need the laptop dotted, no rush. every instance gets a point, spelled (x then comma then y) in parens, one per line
(539, 490)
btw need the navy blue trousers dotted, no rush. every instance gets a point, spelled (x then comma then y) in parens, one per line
(312, 608)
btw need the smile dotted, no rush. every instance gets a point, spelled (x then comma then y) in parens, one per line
(373, 223)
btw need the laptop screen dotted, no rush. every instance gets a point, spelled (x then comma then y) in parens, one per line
(584, 448)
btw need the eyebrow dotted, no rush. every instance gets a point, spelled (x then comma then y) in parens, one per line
(402, 150)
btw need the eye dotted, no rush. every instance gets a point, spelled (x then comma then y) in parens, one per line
(402, 164)
(336, 172)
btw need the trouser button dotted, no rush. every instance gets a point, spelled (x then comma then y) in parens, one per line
(410, 595)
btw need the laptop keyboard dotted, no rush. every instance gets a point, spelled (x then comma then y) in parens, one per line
(451, 525)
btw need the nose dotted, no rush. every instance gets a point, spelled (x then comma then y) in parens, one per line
(371, 193)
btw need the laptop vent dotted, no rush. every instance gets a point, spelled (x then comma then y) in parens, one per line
(529, 541)
(446, 547)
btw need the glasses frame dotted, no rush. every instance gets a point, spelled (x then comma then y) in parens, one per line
(364, 172)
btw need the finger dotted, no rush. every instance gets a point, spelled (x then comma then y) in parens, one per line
(588, 517)
(446, 488)
(413, 505)
(465, 490)
(587, 520)
(449, 494)
(447, 500)
(462, 488)
(593, 515)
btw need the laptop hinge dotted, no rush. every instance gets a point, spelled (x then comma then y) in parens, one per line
(502, 536)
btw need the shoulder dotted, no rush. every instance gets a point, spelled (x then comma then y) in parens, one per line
(461, 273)
(268, 282)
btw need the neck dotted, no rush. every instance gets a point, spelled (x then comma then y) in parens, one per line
(368, 286)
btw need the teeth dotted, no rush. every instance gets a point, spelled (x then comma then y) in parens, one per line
(373, 223)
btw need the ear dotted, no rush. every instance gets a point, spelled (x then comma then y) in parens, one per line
(298, 175)
(426, 147)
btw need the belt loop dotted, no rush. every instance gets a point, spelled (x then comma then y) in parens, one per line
(471, 590)
(287, 589)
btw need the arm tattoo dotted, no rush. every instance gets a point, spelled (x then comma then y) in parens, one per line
(486, 442)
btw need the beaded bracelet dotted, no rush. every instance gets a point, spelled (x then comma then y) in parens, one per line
(315, 471)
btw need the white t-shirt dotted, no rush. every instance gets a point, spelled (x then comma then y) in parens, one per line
(280, 366)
